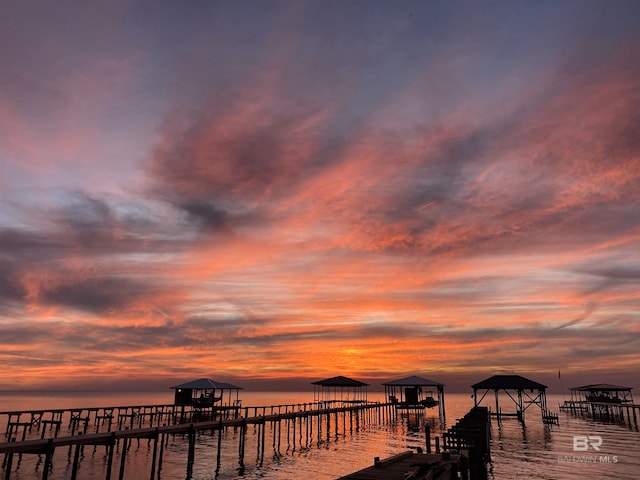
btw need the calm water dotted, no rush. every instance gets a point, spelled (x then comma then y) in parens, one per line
(534, 452)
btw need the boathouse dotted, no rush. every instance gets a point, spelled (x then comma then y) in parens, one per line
(205, 392)
(522, 391)
(603, 400)
(602, 393)
(413, 393)
(340, 389)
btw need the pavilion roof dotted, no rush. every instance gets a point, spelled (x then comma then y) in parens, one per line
(207, 383)
(508, 382)
(601, 387)
(340, 381)
(413, 381)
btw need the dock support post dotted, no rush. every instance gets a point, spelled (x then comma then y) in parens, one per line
(123, 458)
(76, 459)
(288, 421)
(111, 447)
(258, 439)
(328, 425)
(9, 465)
(219, 446)
(264, 427)
(155, 454)
(161, 456)
(273, 431)
(47, 459)
(294, 421)
(192, 450)
(344, 424)
(243, 432)
(427, 435)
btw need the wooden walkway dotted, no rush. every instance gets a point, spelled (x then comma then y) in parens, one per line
(328, 422)
(30, 424)
(415, 466)
(466, 449)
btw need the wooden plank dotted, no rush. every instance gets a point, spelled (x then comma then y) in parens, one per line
(410, 466)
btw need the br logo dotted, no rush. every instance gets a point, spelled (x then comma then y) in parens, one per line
(582, 443)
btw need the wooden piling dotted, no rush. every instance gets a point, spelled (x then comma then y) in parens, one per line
(154, 455)
(427, 436)
(111, 446)
(192, 449)
(123, 456)
(219, 447)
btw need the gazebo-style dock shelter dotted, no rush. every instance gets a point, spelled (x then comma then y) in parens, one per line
(522, 391)
(415, 393)
(206, 392)
(603, 400)
(602, 393)
(340, 389)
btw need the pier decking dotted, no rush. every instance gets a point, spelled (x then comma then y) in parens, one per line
(40, 438)
(465, 451)
(414, 466)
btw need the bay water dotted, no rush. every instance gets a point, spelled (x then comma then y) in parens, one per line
(534, 451)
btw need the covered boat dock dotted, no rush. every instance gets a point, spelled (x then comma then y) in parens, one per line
(522, 391)
(340, 390)
(205, 392)
(604, 401)
(602, 393)
(415, 393)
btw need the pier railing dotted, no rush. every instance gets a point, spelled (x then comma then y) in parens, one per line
(471, 433)
(23, 425)
(327, 418)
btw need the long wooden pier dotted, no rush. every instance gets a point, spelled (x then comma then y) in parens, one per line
(39, 433)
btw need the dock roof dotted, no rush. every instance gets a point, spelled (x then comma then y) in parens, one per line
(602, 387)
(413, 381)
(340, 381)
(207, 383)
(508, 382)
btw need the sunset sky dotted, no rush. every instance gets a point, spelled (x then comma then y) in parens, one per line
(284, 190)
